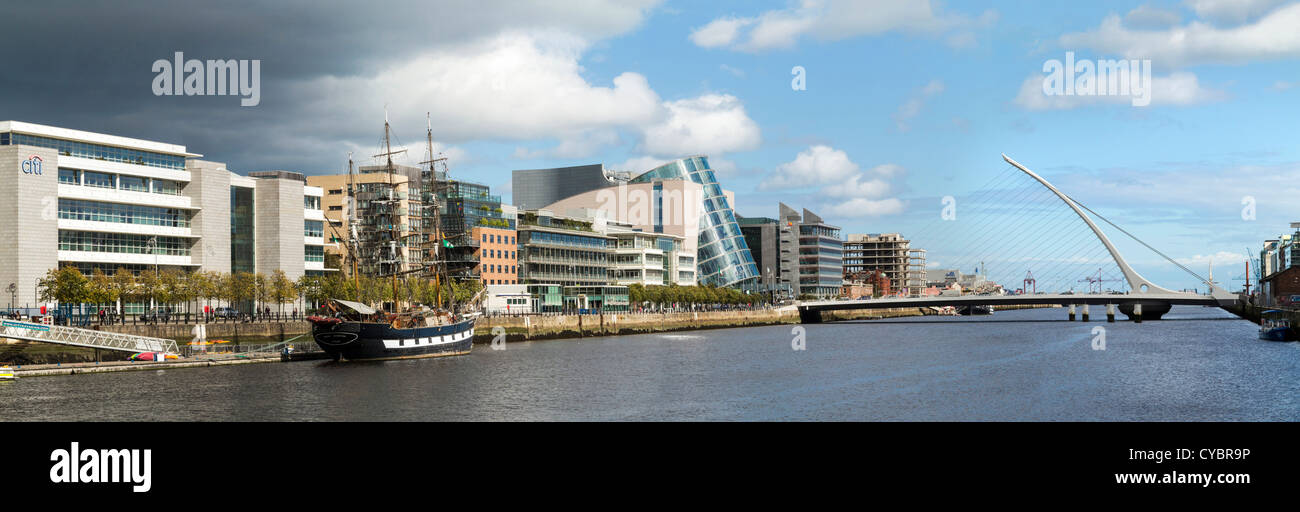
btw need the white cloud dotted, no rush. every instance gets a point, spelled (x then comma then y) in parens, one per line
(859, 207)
(913, 105)
(1273, 36)
(1220, 259)
(737, 72)
(719, 32)
(1146, 16)
(1180, 88)
(832, 20)
(514, 86)
(1231, 11)
(712, 124)
(530, 87)
(860, 194)
(818, 166)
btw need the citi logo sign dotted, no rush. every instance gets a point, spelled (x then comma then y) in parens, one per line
(32, 165)
(102, 466)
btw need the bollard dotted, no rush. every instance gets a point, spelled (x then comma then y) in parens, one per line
(1110, 313)
(1071, 312)
(1085, 312)
(1137, 313)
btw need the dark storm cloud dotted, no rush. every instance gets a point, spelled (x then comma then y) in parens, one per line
(86, 65)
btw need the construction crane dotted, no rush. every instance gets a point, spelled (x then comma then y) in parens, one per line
(1030, 283)
(1095, 281)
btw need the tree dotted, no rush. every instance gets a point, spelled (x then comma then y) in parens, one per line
(101, 289)
(66, 285)
(124, 286)
(261, 290)
(281, 289)
(148, 284)
(169, 289)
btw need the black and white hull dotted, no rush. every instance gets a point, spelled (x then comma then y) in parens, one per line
(371, 341)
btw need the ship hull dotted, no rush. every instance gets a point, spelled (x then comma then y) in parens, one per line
(367, 341)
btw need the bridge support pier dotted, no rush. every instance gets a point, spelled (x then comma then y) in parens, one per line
(1085, 312)
(1138, 311)
(810, 316)
(1071, 312)
(1110, 313)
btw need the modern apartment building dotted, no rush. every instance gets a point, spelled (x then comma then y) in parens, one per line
(916, 272)
(886, 252)
(98, 201)
(813, 264)
(498, 255)
(650, 258)
(562, 251)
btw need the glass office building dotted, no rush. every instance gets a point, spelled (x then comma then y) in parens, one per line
(723, 257)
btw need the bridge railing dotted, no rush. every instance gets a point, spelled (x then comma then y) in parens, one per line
(84, 337)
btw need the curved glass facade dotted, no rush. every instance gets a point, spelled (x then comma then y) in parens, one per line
(724, 258)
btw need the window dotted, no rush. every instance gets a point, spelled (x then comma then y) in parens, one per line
(166, 187)
(122, 243)
(73, 209)
(98, 152)
(69, 176)
(314, 253)
(313, 228)
(336, 208)
(336, 191)
(97, 179)
(311, 202)
(133, 183)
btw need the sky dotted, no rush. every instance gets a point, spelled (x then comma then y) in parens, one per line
(901, 104)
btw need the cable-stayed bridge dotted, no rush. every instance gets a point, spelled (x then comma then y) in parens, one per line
(1031, 206)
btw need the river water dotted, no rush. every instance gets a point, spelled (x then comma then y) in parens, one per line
(1197, 364)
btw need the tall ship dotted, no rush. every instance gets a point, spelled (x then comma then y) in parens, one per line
(356, 331)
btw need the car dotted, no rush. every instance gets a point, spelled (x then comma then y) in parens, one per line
(225, 313)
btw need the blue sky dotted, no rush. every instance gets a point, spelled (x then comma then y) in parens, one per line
(905, 102)
(1174, 173)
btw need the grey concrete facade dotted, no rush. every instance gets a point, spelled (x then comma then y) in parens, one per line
(31, 228)
(537, 188)
(209, 190)
(278, 220)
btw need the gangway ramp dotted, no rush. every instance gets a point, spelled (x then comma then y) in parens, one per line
(88, 338)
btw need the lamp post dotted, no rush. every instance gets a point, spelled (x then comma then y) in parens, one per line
(153, 248)
(13, 294)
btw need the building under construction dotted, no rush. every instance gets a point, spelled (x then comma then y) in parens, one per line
(397, 210)
(887, 253)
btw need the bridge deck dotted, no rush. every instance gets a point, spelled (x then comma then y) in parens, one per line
(84, 337)
(1008, 300)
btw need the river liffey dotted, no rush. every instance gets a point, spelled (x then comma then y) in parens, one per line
(1199, 364)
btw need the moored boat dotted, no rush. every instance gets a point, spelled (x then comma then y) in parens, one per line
(1275, 326)
(357, 332)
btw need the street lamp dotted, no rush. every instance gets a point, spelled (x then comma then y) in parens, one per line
(153, 248)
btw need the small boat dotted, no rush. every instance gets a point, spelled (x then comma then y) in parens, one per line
(7, 373)
(1275, 326)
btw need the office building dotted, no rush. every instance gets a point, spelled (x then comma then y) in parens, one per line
(813, 264)
(98, 201)
(682, 198)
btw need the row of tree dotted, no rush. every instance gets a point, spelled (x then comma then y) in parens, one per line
(67, 285)
(704, 294)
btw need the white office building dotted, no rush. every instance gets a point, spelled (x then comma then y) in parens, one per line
(97, 201)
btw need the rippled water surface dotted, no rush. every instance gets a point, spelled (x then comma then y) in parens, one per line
(1198, 364)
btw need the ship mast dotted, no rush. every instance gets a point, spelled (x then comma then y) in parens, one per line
(354, 250)
(394, 206)
(439, 264)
